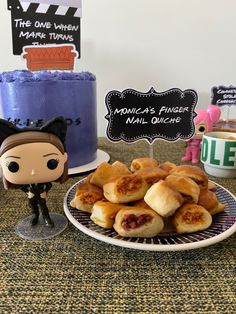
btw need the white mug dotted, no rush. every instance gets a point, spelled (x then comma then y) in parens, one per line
(218, 154)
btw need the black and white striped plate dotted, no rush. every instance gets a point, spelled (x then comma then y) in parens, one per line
(223, 226)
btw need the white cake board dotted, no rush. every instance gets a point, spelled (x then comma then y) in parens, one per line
(101, 157)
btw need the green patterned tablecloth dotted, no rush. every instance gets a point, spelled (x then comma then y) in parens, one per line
(74, 273)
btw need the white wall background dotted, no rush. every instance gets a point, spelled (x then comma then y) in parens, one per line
(150, 43)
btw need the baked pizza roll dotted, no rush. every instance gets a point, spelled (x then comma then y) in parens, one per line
(207, 199)
(85, 196)
(163, 199)
(167, 166)
(101, 175)
(141, 203)
(120, 168)
(106, 173)
(104, 213)
(168, 226)
(212, 186)
(138, 222)
(217, 208)
(188, 188)
(152, 174)
(191, 218)
(143, 162)
(125, 189)
(193, 172)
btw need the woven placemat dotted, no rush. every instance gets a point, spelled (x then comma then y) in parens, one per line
(74, 273)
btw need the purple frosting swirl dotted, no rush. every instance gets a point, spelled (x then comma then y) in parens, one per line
(22, 76)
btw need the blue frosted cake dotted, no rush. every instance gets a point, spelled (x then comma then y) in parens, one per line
(30, 98)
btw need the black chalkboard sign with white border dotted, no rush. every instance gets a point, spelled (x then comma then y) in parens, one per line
(133, 115)
(223, 95)
(41, 22)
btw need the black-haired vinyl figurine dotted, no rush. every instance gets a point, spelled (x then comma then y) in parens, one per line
(32, 158)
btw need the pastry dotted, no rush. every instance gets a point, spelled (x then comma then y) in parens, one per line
(193, 172)
(152, 174)
(191, 218)
(217, 208)
(163, 199)
(151, 199)
(120, 168)
(138, 222)
(125, 189)
(86, 195)
(207, 199)
(184, 185)
(106, 173)
(167, 166)
(212, 186)
(104, 212)
(141, 203)
(143, 162)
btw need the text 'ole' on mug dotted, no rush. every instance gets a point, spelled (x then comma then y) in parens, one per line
(218, 154)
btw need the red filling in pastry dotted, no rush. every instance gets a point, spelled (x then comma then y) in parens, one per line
(132, 221)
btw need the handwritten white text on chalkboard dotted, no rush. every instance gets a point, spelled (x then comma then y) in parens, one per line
(134, 115)
(56, 33)
(149, 111)
(223, 95)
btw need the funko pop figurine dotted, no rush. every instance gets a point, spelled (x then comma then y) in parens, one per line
(203, 123)
(31, 159)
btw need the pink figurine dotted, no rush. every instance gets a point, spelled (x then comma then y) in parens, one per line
(203, 123)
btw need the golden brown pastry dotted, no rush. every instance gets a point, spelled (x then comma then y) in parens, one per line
(163, 199)
(152, 174)
(86, 195)
(168, 226)
(138, 222)
(207, 199)
(101, 175)
(191, 218)
(193, 172)
(106, 173)
(217, 208)
(167, 166)
(141, 203)
(143, 162)
(120, 168)
(104, 213)
(125, 189)
(188, 188)
(212, 186)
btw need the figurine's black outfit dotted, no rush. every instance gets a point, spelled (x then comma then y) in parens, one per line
(37, 201)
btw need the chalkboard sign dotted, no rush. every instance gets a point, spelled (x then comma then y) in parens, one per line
(40, 22)
(133, 115)
(223, 95)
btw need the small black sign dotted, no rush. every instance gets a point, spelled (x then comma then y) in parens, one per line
(133, 115)
(42, 23)
(223, 95)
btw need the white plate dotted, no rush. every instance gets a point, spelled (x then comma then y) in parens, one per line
(223, 226)
(101, 157)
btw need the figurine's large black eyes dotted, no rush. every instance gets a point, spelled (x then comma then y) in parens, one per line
(13, 166)
(52, 164)
(201, 129)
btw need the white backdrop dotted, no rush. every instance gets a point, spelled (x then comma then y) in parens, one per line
(153, 43)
